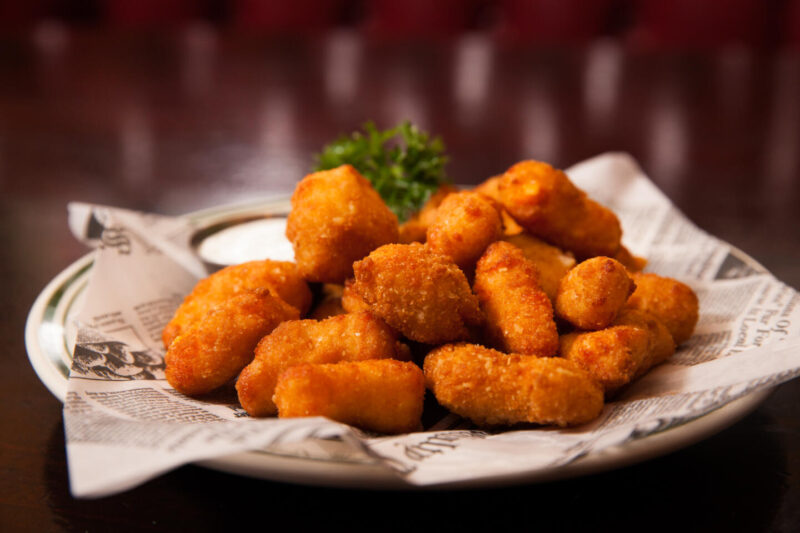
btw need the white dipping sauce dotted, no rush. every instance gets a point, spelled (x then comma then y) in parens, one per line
(259, 239)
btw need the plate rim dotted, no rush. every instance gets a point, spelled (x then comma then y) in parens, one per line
(277, 467)
(331, 473)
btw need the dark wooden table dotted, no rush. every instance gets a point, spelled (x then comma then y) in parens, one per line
(193, 119)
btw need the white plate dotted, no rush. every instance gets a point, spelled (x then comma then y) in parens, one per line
(49, 339)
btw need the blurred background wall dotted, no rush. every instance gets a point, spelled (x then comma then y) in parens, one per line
(639, 23)
(109, 100)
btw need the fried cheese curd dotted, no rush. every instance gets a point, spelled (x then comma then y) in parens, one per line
(544, 201)
(551, 262)
(419, 292)
(336, 218)
(280, 276)
(519, 315)
(211, 351)
(492, 388)
(415, 229)
(465, 224)
(662, 345)
(591, 295)
(349, 337)
(351, 301)
(617, 355)
(674, 303)
(381, 395)
(489, 188)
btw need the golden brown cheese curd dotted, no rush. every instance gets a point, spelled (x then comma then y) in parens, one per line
(661, 344)
(619, 354)
(412, 230)
(385, 396)
(492, 388)
(336, 218)
(465, 224)
(351, 301)
(419, 292)
(214, 349)
(674, 303)
(544, 201)
(591, 295)
(348, 337)
(519, 315)
(612, 356)
(490, 188)
(415, 229)
(551, 262)
(281, 277)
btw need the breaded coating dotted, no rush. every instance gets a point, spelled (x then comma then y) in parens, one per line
(412, 230)
(280, 276)
(466, 223)
(336, 218)
(591, 295)
(545, 202)
(351, 301)
(489, 188)
(492, 388)
(633, 263)
(661, 345)
(612, 356)
(420, 293)
(349, 337)
(214, 349)
(674, 303)
(619, 354)
(384, 396)
(551, 262)
(330, 302)
(519, 315)
(415, 229)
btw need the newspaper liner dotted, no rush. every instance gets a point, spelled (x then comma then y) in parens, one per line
(125, 424)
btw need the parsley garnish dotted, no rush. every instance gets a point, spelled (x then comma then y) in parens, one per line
(403, 163)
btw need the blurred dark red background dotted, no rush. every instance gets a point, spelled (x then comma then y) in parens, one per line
(642, 23)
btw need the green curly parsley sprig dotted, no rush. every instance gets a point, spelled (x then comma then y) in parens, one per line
(403, 163)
